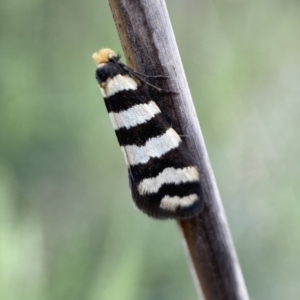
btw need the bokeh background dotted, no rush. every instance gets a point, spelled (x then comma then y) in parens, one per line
(68, 229)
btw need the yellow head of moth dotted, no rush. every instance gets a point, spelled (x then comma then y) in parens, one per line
(103, 55)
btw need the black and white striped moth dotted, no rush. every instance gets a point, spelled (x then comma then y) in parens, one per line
(164, 182)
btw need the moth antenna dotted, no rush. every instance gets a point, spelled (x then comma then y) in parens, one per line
(129, 70)
(138, 75)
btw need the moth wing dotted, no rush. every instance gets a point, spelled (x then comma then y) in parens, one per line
(163, 180)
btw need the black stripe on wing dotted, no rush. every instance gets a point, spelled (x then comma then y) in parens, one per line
(177, 158)
(126, 99)
(140, 134)
(150, 204)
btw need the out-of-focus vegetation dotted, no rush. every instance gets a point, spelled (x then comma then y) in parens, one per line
(68, 229)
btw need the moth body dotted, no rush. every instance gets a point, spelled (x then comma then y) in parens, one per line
(163, 179)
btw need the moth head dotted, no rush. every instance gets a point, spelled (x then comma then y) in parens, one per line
(108, 66)
(104, 56)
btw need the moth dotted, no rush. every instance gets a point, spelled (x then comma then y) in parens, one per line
(164, 181)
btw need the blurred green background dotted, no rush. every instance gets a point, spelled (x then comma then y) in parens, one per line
(68, 229)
